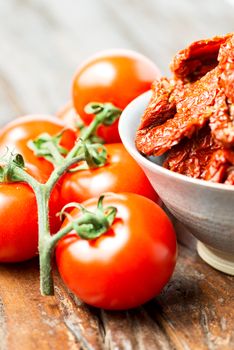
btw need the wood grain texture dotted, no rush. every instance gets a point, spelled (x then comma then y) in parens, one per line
(195, 311)
(41, 44)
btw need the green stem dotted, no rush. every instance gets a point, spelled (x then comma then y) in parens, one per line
(57, 157)
(21, 175)
(42, 193)
(60, 234)
(74, 151)
(61, 170)
(46, 241)
(91, 129)
(46, 278)
(45, 249)
(105, 113)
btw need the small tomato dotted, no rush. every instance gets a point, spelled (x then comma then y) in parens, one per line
(120, 174)
(16, 134)
(115, 76)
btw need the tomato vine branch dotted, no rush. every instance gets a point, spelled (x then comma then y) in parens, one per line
(88, 225)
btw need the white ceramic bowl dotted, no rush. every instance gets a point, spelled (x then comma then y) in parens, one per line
(206, 209)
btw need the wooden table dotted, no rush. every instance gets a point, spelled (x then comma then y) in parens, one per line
(41, 43)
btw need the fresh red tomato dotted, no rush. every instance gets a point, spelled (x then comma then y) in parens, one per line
(129, 264)
(19, 223)
(17, 133)
(68, 115)
(120, 174)
(116, 76)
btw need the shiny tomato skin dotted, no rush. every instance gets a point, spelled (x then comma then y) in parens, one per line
(129, 264)
(17, 133)
(117, 76)
(19, 222)
(120, 174)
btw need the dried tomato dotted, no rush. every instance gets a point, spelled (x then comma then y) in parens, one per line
(191, 117)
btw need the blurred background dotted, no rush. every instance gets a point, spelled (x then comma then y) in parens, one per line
(43, 41)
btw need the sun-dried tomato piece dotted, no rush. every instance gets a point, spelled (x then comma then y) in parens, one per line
(222, 120)
(193, 105)
(177, 156)
(226, 66)
(197, 59)
(162, 105)
(218, 166)
(191, 156)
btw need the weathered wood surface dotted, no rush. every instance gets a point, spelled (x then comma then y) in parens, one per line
(41, 43)
(195, 311)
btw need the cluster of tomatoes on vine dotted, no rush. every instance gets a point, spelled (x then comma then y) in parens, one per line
(121, 249)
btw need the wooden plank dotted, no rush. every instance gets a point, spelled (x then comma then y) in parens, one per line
(41, 46)
(42, 42)
(198, 306)
(195, 311)
(28, 321)
(82, 321)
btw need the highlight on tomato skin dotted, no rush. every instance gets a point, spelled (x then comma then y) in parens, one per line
(120, 174)
(129, 264)
(16, 134)
(116, 76)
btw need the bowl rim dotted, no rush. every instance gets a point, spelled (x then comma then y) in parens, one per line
(125, 125)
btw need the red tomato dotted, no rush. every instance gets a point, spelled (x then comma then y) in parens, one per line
(120, 174)
(126, 266)
(116, 76)
(17, 133)
(19, 223)
(68, 115)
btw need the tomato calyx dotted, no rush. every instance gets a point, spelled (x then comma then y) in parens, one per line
(105, 114)
(91, 225)
(8, 163)
(94, 154)
(49, 147)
